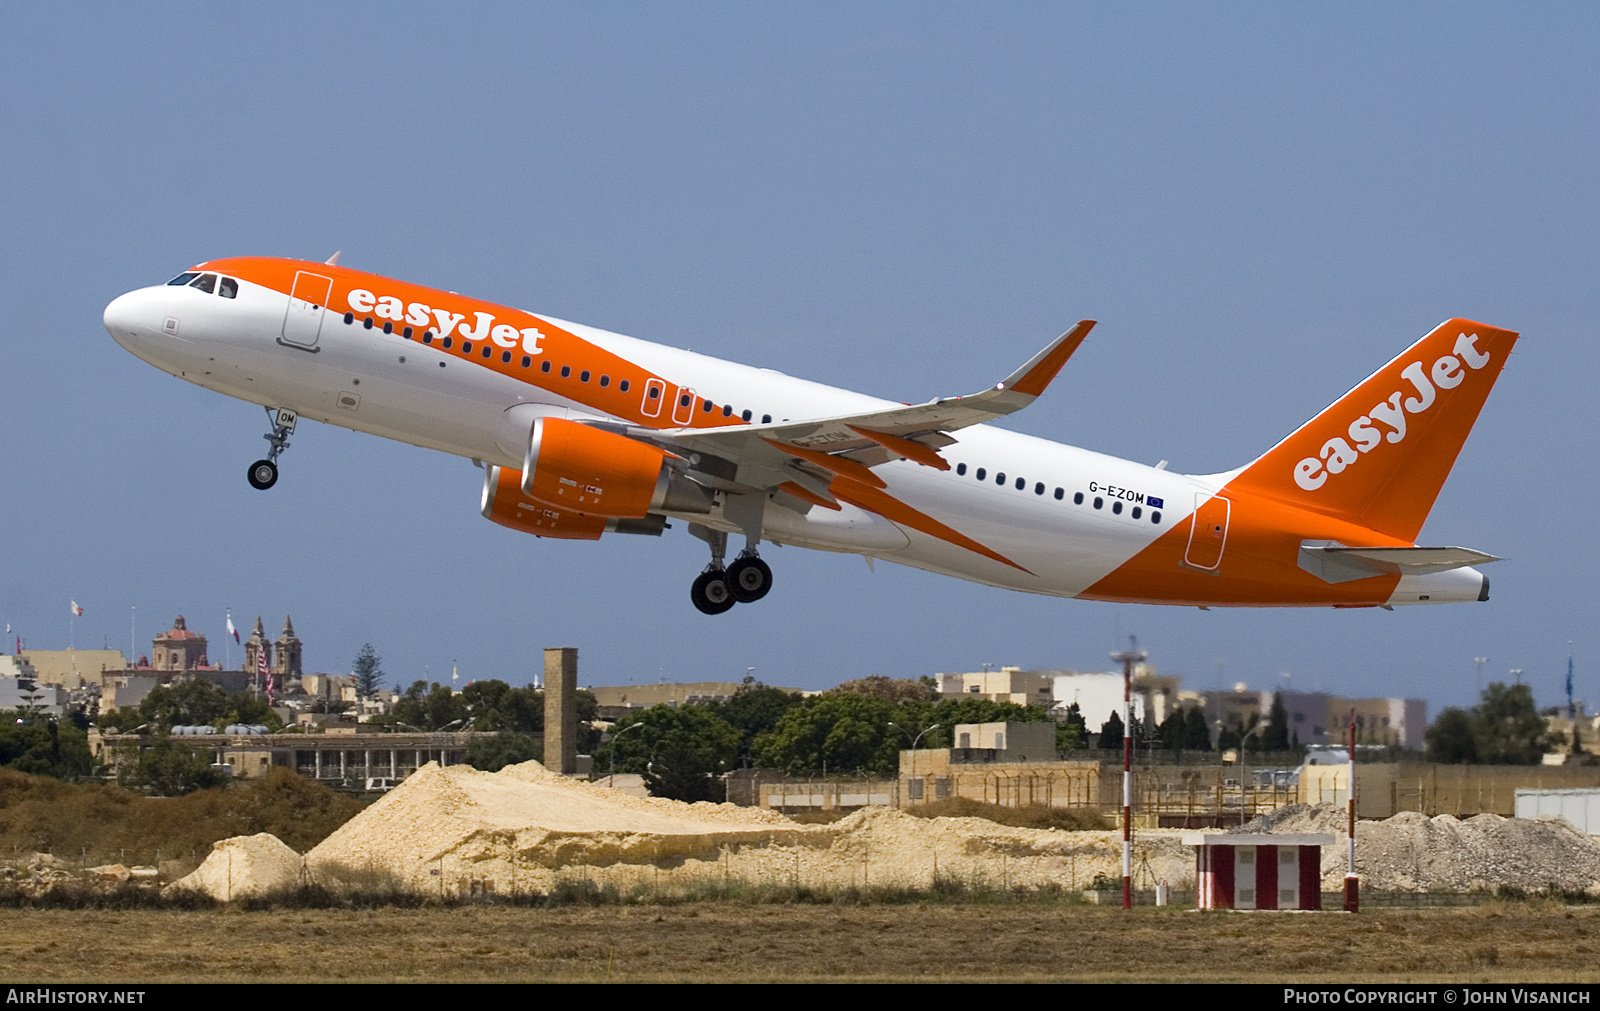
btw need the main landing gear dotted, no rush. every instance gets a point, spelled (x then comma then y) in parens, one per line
(718, 588)
(263, 474)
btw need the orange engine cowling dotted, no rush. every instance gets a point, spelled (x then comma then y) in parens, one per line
(505, 504)
(593, 472)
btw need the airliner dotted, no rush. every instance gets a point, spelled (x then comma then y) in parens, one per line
(581, 433)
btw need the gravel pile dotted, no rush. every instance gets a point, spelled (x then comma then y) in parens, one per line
(1412, 852)
(457, 830)
(244, 865)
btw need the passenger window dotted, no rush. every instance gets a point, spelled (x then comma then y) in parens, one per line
(605, 381)
(981, 474)
(406, 333)
(1137, 512)
(1098, 501)
(527, 361)
(227, 287)
(684, 400)
(961, 469)
(1116, 507)
(1077, 498)
(388, 326)
(544, 366)
(583, 377)
(1060, 493)
(1038, 489)
(505, 357)
(205, 282)
(1021, 484)
(1155, 517)
(706, 407)
(566, 370)
(745, 415)
(623, 386)
(1000, 478)
(766, 419)
(444, 343)
(727, 410)
(466, 347)
(183, 278)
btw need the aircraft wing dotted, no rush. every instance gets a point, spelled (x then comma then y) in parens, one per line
(812, 452)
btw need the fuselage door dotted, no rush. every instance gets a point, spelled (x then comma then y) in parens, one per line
(683, 407)
(1208, 532)
(308, 303)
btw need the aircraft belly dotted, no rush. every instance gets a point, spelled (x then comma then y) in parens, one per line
(849, 529)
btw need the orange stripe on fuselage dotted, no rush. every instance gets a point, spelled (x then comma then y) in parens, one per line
(1259, 566)
(555, 345)
(874, 500)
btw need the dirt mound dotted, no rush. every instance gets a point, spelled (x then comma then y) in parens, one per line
(1413, 852)
(244, 865)
(450, 830)
(516, 827)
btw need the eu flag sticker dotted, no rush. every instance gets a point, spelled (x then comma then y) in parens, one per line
(1154, 503)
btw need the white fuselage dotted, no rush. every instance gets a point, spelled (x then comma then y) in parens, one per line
(383, 384)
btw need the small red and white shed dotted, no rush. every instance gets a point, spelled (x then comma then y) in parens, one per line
(1256, 870)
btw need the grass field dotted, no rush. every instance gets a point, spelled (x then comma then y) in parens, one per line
(737, 942)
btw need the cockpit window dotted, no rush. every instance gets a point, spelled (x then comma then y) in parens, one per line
(227, 287)
(205, 282)
(184, 278)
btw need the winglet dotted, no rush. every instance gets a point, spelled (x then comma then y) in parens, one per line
(1033, 377)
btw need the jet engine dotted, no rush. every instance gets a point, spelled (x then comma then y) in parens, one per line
(587, 470)
(505, 504)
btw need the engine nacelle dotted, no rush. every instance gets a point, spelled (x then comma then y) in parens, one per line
(587, 470)
(504, 503)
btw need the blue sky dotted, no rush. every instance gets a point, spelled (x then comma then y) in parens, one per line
(1260, 203)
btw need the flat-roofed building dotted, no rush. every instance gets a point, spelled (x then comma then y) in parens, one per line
(75, 668)
(1008, 684)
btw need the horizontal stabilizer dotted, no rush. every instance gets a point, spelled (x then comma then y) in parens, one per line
(1335, 563)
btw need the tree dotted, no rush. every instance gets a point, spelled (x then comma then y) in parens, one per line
(167, 769)
(1111, 732)
(368, 673)
(192, 702)
(1453, 740)
(1509, 729)
(45, 747)
(835, 732)
(1276, 735)
(1504, 728)
(753, 710)
(1196, 733)
(1173, 731)
(681, 752)
(889, 689)
(430, 707)
(493, 752)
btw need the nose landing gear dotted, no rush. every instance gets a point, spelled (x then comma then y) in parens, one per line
(263, 474)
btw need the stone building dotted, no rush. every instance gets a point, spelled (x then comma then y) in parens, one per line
(179, 649)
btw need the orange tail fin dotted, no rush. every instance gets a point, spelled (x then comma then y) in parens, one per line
(1380, 454)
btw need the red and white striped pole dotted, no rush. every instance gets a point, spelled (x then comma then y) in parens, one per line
(1128, 657)
(1352, 884)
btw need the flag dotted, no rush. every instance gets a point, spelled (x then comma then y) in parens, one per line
(76, 610)
(231, 630)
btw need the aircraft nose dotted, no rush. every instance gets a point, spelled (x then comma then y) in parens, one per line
(126, 316)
